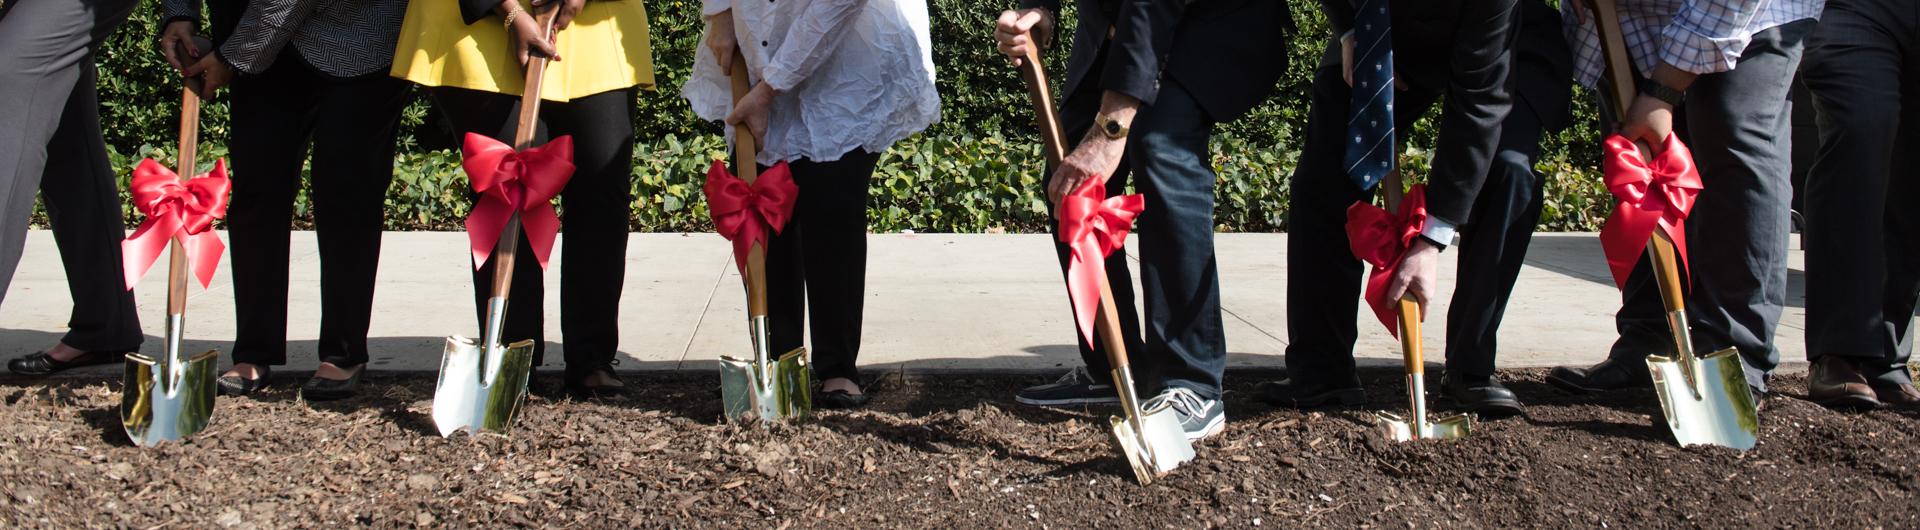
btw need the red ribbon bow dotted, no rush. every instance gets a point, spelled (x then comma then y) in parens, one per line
(1381, 239)
(1093, 225)
(743, 212)
(512, 182)
(1659, 193)
(176, 209)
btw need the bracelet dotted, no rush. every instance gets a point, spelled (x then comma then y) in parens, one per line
(512, 13)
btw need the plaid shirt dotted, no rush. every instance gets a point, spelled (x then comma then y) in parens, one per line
(1699, 36)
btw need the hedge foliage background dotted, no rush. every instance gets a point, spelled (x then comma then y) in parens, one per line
(977, 170)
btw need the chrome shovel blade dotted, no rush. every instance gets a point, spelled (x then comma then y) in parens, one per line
(476, 395)
(1137, 457)
(155, 407)
(1712, 408)
(780, 390)
(1392, 427)
(1159, 447)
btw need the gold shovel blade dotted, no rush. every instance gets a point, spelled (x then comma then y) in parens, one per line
(1450, 427)
(475, 396)
(784, 391)
(1395, 428)
(1717, 409)
(154, 409)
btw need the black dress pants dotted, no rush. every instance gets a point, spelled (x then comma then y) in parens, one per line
(348, 124)
(595, 204)
(1493, 242)
(818, 264)
(82, 197)
(1863, 241)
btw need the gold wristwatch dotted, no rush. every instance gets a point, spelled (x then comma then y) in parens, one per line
(1110, 127)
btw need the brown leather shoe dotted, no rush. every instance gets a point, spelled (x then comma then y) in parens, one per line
(1904, 394)
(1835, 382)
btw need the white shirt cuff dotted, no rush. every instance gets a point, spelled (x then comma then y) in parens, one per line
(1440, 231)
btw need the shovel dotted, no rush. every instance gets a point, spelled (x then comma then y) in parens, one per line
(1705, 399)
(762, 387)
(483, 383)
(1417, 426)
(171, 397)
(1151, 439)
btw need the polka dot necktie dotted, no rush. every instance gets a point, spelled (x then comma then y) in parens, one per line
(1370, 146)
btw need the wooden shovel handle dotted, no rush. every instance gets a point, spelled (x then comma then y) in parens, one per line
(1410, 347)
(1622, 89)
(744, 153)
(185, 165)
(508, 248)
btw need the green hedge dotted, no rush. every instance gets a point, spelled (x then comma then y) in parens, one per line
(979, 169)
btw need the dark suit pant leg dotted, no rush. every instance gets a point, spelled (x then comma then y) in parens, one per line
(83, 205)
(495, 116)
(1861, 267)
(1185, 343)
(817, 266)
(1737, 233)
(1323, 278)
(46, 53)
(1076, 117)
(598, 201)
(273, 119)
(353, 147)
(1494, 247)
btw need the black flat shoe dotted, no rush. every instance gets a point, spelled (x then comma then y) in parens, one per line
(1485, 397)
(39, 363)
(233, 385)
(1293, 394)
(841, 399)
(579, 389)
(323, 389)
(1611, 374)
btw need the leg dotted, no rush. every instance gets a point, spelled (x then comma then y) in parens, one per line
(46, 49)
(598, 202)
(83, 205)
(352, 167)
(835, 254)
(1323, 286)
(1185, 340)
(273, 119)
(1738, 263)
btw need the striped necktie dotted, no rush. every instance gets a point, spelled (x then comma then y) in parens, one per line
(1370, 122)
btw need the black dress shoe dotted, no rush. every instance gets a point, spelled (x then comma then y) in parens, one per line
(1610, 374)
(233, 385)
(1836, 382)
(323, 389)
(579, 389)
(39, 363)
(841, 399)
(1294, 394)
(1486, 397)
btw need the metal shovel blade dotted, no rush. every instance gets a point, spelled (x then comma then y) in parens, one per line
(1393, 427)
(1713, 407)
(1159, 447)
(154, 409)
(779, 390)
(477, 394)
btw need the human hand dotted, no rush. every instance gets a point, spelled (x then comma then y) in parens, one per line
(213, 72)
(1648, 120)
(1096, 155)
(722, 41)
(1418, 275)
(176, 36)
(750, 113)
(525, 36)
(1018, 32)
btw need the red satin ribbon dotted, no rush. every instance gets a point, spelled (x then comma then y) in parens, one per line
(743, 213)
(176, 209)
(1653, 194)
(509, 182)
(1381, 239)
(1093, 225)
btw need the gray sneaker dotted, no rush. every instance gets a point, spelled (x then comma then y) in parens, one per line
(1200, 417)
(1074, 388)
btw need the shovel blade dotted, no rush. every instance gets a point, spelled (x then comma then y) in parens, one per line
(782, 390)
(1717, 409)
(1393, 427)
(1159, 447)
(154, 409)
(464, 399)
(1450, 427)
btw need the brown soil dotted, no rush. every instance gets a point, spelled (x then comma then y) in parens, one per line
(945, 452)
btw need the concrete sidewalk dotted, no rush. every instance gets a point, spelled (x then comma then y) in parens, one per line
(935, 302)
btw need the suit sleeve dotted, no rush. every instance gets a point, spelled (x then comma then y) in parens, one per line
(1050, 5)
(264, 30)
(472, 11)
(1339, 15)
(1478, 99)
(172, 10)
(1142, 37)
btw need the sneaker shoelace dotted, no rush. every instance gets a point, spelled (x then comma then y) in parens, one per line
(1183, 401)
(1075, 376)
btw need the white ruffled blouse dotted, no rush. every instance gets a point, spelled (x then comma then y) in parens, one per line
(850, 74)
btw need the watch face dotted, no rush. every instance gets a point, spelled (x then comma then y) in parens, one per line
(1113, 127)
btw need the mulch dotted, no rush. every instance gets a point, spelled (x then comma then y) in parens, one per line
(948, 451)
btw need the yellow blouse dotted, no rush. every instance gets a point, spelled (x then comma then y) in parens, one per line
(605, 48)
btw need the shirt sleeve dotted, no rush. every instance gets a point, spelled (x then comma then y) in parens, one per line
(472, 11)
(1707, 36)
(810, 41)
(264, 30)
(710, 8)
(172, 10)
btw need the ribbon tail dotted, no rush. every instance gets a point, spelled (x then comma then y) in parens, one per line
(203, 255)
(484, 225)
(1083, 286)
(1383, 308)
(542, 227)
(141, 250)
(1624, 239)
